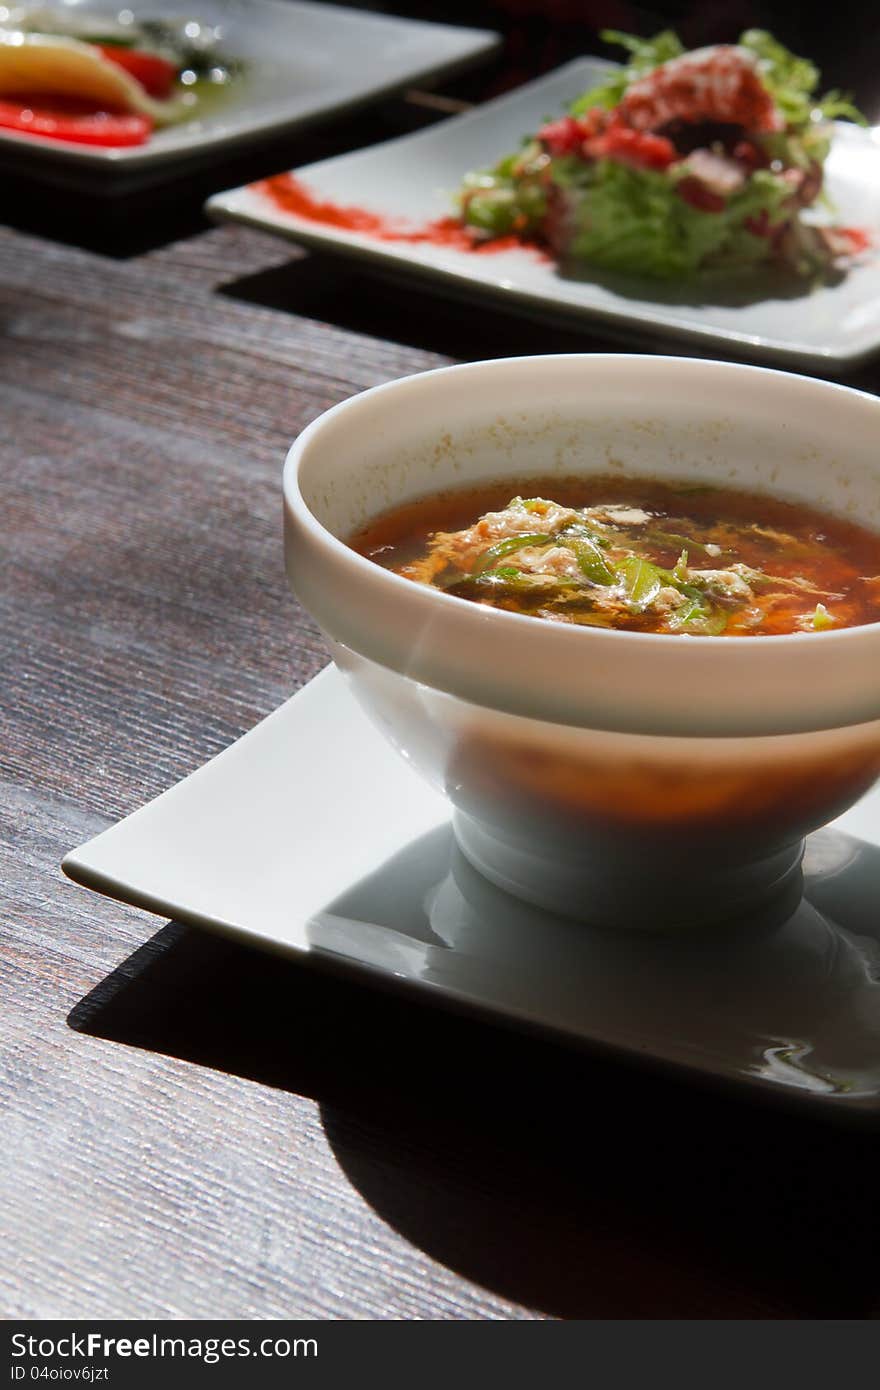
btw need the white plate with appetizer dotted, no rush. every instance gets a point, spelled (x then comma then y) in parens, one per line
(714, 196)
(242, 847)
(87, 83)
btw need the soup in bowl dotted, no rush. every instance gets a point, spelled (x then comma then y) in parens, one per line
(621, 609)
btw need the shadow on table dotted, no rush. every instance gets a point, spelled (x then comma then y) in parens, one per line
(444, 318)
(120, 219)
(710, 289)
(566, 1183)
(123, 216)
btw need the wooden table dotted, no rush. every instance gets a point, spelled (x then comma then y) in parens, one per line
(192, 1129)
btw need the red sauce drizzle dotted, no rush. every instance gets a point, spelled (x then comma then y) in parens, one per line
(290, 195)
(860, 239)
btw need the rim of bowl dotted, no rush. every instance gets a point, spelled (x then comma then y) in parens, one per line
(395, 583)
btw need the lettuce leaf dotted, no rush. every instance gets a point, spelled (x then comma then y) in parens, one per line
(634, 221)
(790, 80)
(644, 54)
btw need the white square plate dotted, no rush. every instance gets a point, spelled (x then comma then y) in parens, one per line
(414, 178)
(303, 61)
(311, 837)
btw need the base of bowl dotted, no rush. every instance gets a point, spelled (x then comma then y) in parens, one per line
(635, 896)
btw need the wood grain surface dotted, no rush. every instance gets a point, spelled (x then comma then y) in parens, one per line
(191, 1129)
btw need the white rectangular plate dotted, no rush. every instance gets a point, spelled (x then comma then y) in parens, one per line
(304, 61)
(414, 178)
(311, 837)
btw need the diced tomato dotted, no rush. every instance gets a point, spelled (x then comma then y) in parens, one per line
(747, 153)
(65, 120)
(600, 135)
(759, 225)
(634, 147)
(156, 75)
(567, 135)
(699, 196)
(564, 136)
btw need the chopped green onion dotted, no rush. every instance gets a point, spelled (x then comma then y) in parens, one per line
(506, 578)
(696, 617)
(655, 536)
(581, 530)
(641, 580)
(591, 561)
(822, 618)
(501, 548)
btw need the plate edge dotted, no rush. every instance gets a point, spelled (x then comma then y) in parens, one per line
(218, 210)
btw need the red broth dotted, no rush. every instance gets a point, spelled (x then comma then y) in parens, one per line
(637, 554)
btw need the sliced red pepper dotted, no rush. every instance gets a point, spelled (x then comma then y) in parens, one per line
(63, 121)
(156, 75)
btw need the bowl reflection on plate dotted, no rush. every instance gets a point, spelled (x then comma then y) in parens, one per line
(595, 771)
(789, 1000)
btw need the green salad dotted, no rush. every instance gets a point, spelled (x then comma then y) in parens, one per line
(678, 162)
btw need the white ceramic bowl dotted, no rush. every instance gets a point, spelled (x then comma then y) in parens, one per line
(629, 778)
